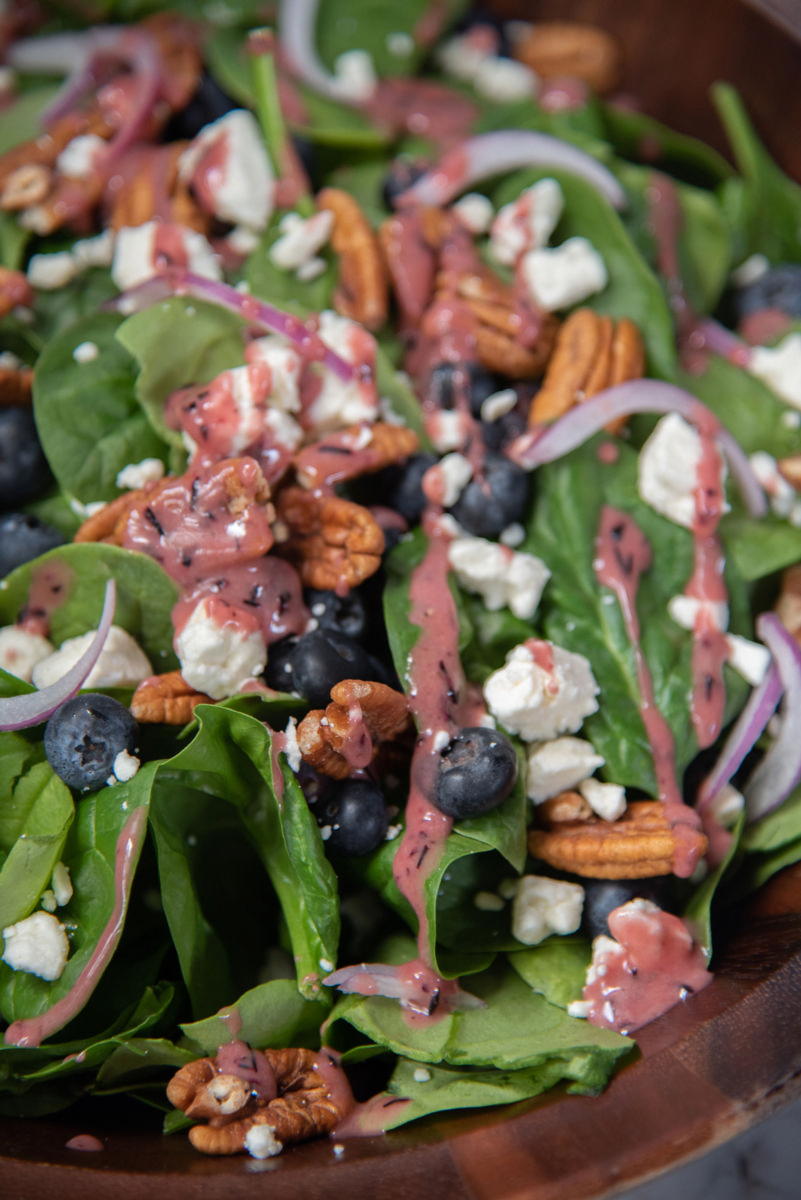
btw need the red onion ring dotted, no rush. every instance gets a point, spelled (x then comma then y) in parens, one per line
(20, 712)
(780, 769)
(490, 154)
(544, 445)
(175, 281)
(758, 710)
(297, 22)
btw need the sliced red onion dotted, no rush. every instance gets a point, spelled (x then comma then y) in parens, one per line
(297, 23)
(490, 154)
(175, 281)
(750, 724)
(780, 769)
(20, 712)
(722, 341)
(381, 979)
(581, 422)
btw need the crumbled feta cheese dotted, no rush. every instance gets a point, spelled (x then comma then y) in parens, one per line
(311, 269)
(498, 405)
(94, 251)
(780, 368)
(136, 475)
(125, 767)
(559, 765)
(749, 659)
(607, 800)
(448, 429)
(48, 901)
(122, 662)
(285, 429)
(667, 470)
(461, 56)
(240, 188)
(475, 212)
(338, 404)
(489, 902)
(20, 651)
(727, 806)
(749, 271)
(285, 364)
(261, 1142)
(400, 44)
(503, 80)
(544, 906)
(300, 239)
(37, 945)
(685, 611)
(77, 159)
(580, 1009)
(217, 659)
(782, 495)
(85, 352)
(291, 747)
(527, 222)
(513, 535)
(503, 577)
(242, 241)
(354, 75)
(392, 832)
(444, 482)
(136, 253)
(542, 691)
(422, 1075)
(48, 272)
(61, 884)
(565, 275)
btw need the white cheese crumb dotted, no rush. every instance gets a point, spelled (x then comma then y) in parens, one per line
(338, 404)
(77, 159)
(537, 699)
(513, 535)
(727, 805)
(261, 1142)
(502, 577)
(241, 188)
(667, 470)
(354, 75)
(125, 767)
(37, 945)
(448, 429)
(48, 272)
(95, 251)
(61, 884)
(607, 800)
(441, 740)
(475, 212)
(400, 44)
(489, 902)
(749, 659)
(300, 239)
(48, 901)
(559, 765)
(422, 1075)
(291, 747)
(325, 965)
(284, 364)
(749, 271)
(780, 368)
(560, 277)
(461, 56)
(122, 662)
(498, 405)
(20, 651)
(579, 1008)
(135, 254)
(392, 832)
(446, 480)
(503, 80)
(311, 269)
(685, 611)
(136, 475)
(544, 906)
(527, 222)
(85, 352)
(216, 659)
(782, 495)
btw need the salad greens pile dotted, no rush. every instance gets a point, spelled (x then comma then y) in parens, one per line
(235, 904)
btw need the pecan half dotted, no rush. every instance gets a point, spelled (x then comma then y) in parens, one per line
(166, 700)
(498, 328)
(357, 450)
(27, 185)
(358, 707)
(334, 543)
(642, 843)
(591, 353)
(362, 293)
(307, 1104)
(567, 48)
(108, 523)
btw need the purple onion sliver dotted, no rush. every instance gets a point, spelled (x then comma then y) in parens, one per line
(488, 154)
(297, 22)
(780, 769)
(20, 712)
(581, 422)
(750, 724)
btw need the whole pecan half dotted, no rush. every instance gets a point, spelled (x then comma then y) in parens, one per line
(362, 293)
(568, 48)
(334, 543)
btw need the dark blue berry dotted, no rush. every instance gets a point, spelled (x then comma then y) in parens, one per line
(402, 486)
(356, 813)
(400, 176)
(779, 287)
(310, 665)
(208, 104)
(603, 895)
(84, 736)
(24, 537)
(477, 772)
(468, 380)
(493, 500)
(24, 472)
(343, 614)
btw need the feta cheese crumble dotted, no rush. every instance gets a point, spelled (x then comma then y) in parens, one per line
(559, 765)
(565, 275)
(501, 576)
(607, 800)
(780, 368)
(667, 470)
(122, 662)
(261, 1142)
(475, 212)
(301, 238)
(38, 945)
(217, 659)
(542, 691)
(136, 253)
(239, 187)
(85, 352)
(20, 651)
(527, 222)
(136, 475)
(544, 906)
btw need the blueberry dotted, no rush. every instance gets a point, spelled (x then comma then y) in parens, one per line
(401, 487)
(84, 736)
(450, 380)
(24, 537)
(779, 287)
(342, 614)
(490, 503)
(208, 104)
(602, 895)
(402, 173)
(310, 665)
(477, 772)
(356, 813)
(24, 472)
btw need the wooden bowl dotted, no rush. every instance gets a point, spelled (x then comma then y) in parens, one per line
(711, 1067)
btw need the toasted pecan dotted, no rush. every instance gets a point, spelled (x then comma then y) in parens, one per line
(568, 48)
(326, 736)
(642, 843)
(566, 806)
(108, 523)
(362, 291)
(334, 543)
(352, 452)
(166, 700)
(16, 386)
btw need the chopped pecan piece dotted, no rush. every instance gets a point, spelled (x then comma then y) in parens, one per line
(357, 706)
(591, 353)
(567, 48)
(155, 190)
(299, 1094)
(27, 185)
(790, 470)
(363, 286)
(166, 700)
(357, 450)
(108, 523)
(642, 843)
(334, 543)
(567, 806)
(16, 386)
